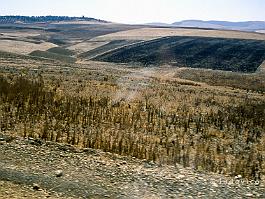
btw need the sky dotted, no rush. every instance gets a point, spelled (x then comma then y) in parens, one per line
(140, 11)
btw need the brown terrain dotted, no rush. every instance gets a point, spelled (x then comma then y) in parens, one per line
(75, 126)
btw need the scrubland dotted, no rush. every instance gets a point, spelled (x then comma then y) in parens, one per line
(143, 113)
(207, 120)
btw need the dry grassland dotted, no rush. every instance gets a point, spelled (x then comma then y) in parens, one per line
(86, 46)
(21, 47)
(153, 33)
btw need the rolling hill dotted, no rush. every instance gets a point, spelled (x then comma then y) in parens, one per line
(237, 55)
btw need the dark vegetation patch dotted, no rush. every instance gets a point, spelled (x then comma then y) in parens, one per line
(38, 19)
(9, 55)
(54, 56)
(24, 40)
(61, 51)
(4, 54)
(58, 40)
(237, 55)
(19, 27)
(252, 82)
(107, 47)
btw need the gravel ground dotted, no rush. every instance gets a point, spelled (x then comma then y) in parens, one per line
(34, 169)
(9, 190)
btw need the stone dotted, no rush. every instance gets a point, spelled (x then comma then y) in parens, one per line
(214, 184)
(180, 176)
(36, 187)
(149, 164)
(59, 173)
(249, 195)
(238, 177)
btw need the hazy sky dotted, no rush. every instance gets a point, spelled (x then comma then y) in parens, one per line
(141, 11)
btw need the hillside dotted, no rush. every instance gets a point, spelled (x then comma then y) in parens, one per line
(236, 55)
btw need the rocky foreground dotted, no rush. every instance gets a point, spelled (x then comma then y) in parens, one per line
(31, 168)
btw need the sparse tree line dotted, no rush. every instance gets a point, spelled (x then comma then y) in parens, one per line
(35, 19)
(229, 140)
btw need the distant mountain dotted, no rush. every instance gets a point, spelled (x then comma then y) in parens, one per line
(244, 26)
(158, 24)
(43, 19)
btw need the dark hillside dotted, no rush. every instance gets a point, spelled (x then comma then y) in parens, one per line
(238, 55)
(105, 48)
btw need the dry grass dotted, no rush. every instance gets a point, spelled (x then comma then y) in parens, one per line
(146, 113)
(153, 33)
(21, 47)
(19, 34)
(254, 82)
(87, 46)
(261, 69)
